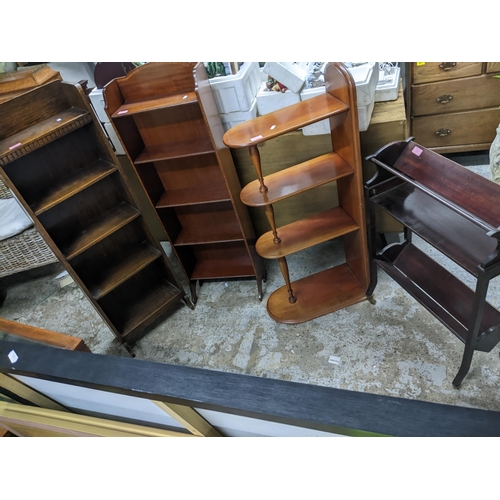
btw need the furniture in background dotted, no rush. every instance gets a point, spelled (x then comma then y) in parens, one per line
(453, 106)
(56, 160)
(342, 285)
(450, 207)
(167, 121)
(15, 83)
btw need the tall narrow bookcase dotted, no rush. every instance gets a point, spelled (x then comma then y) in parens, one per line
(167, 120)
(338, 286)
(56, 160)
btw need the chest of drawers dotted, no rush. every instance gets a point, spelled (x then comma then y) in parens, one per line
(453, 106)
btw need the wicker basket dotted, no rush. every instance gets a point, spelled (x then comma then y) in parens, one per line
(25, 250)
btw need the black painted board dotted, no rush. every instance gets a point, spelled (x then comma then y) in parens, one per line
(303, 405)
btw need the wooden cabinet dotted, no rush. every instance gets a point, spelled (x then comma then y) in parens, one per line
(167, 120)
(454, 106)
(431, 196)
(346, 283)
(55, 158)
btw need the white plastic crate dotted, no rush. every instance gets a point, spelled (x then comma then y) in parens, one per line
(291, 75)
(388, 86)
(366, 79)
(270, 100)
(236, 93)
(229, 120)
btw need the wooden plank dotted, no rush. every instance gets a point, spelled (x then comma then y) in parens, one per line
(117, 275)
(110, 222)
(132, 108)
(46, 131)
(47, 422)
(41, 335)
(456, 237)
(283, 121)
(318, 294)
(297, 179)
(189, 418)
(212, 193)
(84, 178)
(306, 233)
(447, 179)
(180, 149)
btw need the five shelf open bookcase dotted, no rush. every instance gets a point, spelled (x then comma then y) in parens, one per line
(456, 211)
(341, 285)
(57, 161)
(167, 120)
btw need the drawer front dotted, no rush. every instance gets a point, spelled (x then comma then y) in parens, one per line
(456, 95)
(470, 127)
(492, 67)
(436, 71)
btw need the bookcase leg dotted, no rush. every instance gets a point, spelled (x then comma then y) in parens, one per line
(270, 217)
(284, 271)
(255, 157)
(474, 325)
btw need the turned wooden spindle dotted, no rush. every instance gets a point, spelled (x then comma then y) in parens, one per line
(269, 210)
(255, 156)
(284, 271)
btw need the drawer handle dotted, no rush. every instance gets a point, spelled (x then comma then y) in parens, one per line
(443, 132)
(446, 66)
(444, 99)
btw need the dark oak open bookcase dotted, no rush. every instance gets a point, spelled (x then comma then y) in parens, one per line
(57, 161)
(167, 120)
(341, 285)
(456, 211)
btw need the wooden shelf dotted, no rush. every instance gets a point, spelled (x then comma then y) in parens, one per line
(175, 145)
(132, 108)
(42, 133)
(284, 120)
(456, 237)
(450, 207)
(296, 179)
(306, 233)
(72, 186)
(440, 292)
(114, 277)
(318, 294)
(233, 267)
(158, 299)
(212, 193)
(81, 180)
(223, 233)
(110, 222)
(190, 147)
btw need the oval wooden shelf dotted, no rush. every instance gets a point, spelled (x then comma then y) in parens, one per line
(306, 233)
(296, 179)
(318, 294)
(284, 120)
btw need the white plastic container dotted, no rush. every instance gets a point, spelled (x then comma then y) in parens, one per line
(236, 93)
(97, 100)
(366, 79)
(387, 86)
(291, 75)
(270, 100)
(229, 120)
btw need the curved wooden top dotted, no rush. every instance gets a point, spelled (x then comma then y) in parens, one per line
(283, 120)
